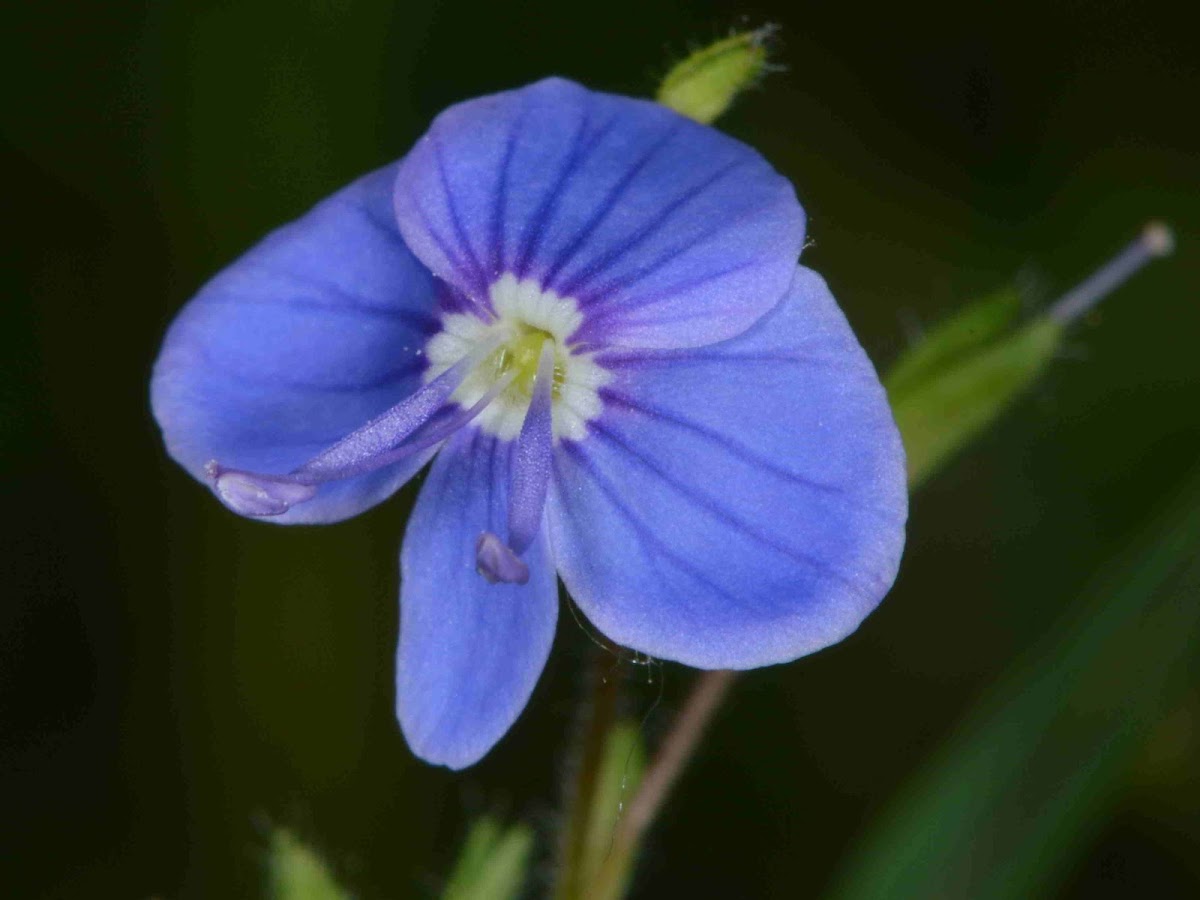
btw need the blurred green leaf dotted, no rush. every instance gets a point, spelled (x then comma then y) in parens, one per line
(492, 864)
(954, 383)
(295, 872)
(620, 774)
(704, 84)
(1015, 794)
(950, 342)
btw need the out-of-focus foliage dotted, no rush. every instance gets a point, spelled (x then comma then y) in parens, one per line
(492, 864)
(296, 872)
(953, 341)
(956, 380)
(1009, 802)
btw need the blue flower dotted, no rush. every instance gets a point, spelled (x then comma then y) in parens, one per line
(589, 309)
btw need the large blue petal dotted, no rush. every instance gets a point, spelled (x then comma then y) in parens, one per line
(738, 505)
(470, 652)
(667, 232)
(309, 335)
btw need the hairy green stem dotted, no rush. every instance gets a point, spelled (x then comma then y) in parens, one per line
(605, 692)
(668, 764)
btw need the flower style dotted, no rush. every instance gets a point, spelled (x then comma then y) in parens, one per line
(588, 308)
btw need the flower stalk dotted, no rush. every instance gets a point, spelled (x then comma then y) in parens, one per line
(672, 758)
(605, 690)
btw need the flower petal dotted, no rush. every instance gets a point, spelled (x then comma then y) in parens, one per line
(738, 505)
(308, 336)
(667, 232)
(470, 651)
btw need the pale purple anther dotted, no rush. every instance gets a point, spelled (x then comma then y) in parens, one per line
(249, 495)
(496, 562)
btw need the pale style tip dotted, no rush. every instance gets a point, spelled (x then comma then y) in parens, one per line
(1158, 238)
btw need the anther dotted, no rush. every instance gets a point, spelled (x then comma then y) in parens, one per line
(251, 496)
(497, 563)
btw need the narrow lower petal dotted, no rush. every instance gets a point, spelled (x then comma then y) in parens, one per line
(470, 651)
(666, 232)
(312, 333)
(738, 505)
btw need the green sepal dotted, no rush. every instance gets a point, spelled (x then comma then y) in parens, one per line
(493, 862)
(704, 84)
(962, 375)
(296, 872)
(972, 327)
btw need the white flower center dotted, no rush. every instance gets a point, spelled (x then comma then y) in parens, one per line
(526, 317)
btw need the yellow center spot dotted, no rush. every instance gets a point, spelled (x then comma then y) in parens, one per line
(522, 354)
(525, 318)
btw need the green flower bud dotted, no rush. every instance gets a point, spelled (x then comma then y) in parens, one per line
(703, 86)
(963, 374)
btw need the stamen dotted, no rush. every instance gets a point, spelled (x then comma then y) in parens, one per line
(531, 466)
(532, 459)
(435, 432)
(389, 429)
(440, 430)
(1156, 240)
(366, 449)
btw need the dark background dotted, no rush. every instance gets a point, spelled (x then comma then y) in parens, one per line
(173, 679)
